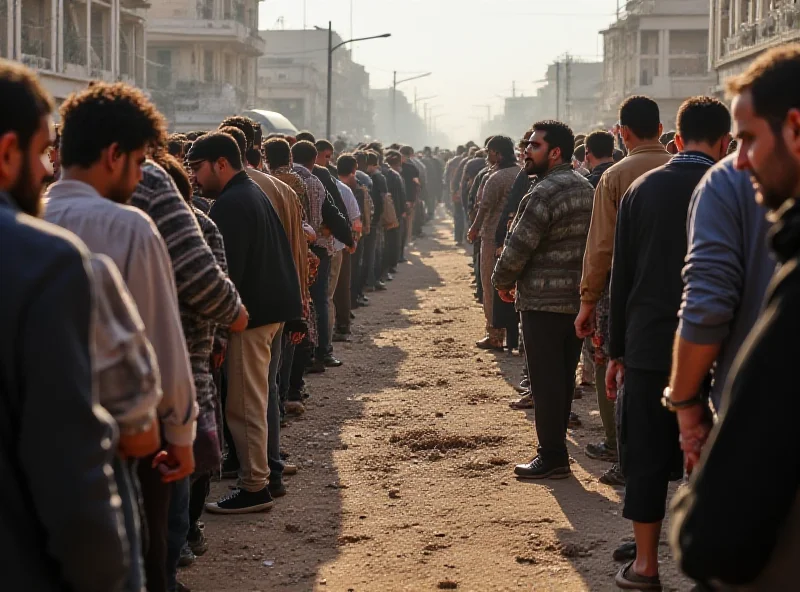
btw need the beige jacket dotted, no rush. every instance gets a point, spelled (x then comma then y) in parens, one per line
(290, 211)
(613, 185)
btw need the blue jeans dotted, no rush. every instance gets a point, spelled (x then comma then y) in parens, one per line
(319, 294)
(274, 412)
(177, 528)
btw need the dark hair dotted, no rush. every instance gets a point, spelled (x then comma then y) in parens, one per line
(579, 153)
(406, 151)
(245, 124)
(361, 157)
(175, 144)
(324, 145)
(486, 141)
(376, 147)
(393, 157)
(238, 135)
(23, 102)
(306, 136)
(505, 147)
(346, 165)
(277, 152)
(253, 157)
(703, 119)
(772, 80)
(557, 135)
(460, 150)
(214, 146)
(178, 174)
(640, 114)
(192, 136)
(580, 139)
(618, 155)
(105, 114)
(373, 158)
(600, 144)
(304, 152)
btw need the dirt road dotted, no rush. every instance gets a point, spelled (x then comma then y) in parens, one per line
(406, 456)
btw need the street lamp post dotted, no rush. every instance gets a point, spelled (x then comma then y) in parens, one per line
(394, 97)
(331, 49)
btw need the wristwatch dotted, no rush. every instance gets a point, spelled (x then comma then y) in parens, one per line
(674, 406)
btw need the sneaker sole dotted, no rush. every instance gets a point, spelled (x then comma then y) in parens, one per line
(554, 474)
(215, 509)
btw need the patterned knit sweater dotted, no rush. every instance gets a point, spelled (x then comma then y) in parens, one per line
(543, 254)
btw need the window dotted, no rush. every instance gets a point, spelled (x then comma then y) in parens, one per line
(208, 65)
(649, 40)
(648, 70)
(164, 69)
(688, 53)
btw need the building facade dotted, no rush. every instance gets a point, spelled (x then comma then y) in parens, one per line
(202, 59)
(70, 42)
(293, 80)
(742, 29)
(657, 48)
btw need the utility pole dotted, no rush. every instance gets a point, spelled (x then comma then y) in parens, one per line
(558, 90)
(513, 89)
(567, 88)
(328, 127)
(394, 105)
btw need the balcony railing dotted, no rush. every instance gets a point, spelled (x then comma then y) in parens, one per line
(778, 26)
(193, 95)
(209, 28)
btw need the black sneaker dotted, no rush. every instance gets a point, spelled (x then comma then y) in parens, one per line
(539, 469)
(625, 552)
(613, 477)
(331, 362)
(276, 489)
(601, 451)
(187, 556)
(196, 538)
(241, 501)
(230, 468)
(574, 421)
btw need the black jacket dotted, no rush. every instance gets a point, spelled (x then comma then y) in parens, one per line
(59, 525)
(397, 188)
(260, 261)
(518, 190)
(597, 172)
(744, 532)
(334, 212)
(649, 252)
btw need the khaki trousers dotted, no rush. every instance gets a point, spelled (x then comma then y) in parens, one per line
(249, 355)
(333, 280)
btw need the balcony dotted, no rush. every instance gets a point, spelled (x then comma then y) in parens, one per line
(779, 26)
(245, 38)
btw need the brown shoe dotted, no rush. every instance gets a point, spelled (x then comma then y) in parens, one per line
(489, 344)
(524, 402)
(289, 469)
(294, 408)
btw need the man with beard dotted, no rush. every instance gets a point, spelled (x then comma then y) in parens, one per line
(261, 267)
(58, 443)
(715, 541)
(542, 260)
(106, 133)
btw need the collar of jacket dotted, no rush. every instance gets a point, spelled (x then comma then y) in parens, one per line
(601, 168)
(567, 166)
(693, 157)
(237, 179)
(784, 235)
(7, 202)
(654, 146)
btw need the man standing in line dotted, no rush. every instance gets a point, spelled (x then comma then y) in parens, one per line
(600, 157)
(261, 267)
(649, 252)
(106, 133)
(339, 288)
(459, 217)
(542, 259)
(52, 427)
(392, 165)
(640, 129)
(714, 540)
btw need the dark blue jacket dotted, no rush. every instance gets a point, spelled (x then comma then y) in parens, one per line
(60, 526)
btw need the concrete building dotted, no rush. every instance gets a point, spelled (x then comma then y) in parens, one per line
(293, 80)
(572, 93)
(70, 42)
(742, 29)
(202, 59)
(657, 48)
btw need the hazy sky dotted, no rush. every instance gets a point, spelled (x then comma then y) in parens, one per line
(475, 48)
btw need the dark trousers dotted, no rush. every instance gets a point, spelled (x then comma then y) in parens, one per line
(155, 501)
(649, 443)
(476, 260)
(200, 488)
(391, 244)
(356, 269)
(302, 355)
(178, 528)
(403, 238)
(341, 297)
(552, 352)
(458, 221)
(367, 269)
(376, 269)
(319, 294)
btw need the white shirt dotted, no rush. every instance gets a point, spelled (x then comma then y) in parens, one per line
(353, 211)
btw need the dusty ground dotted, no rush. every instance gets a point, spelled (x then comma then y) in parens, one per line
(406, 456)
